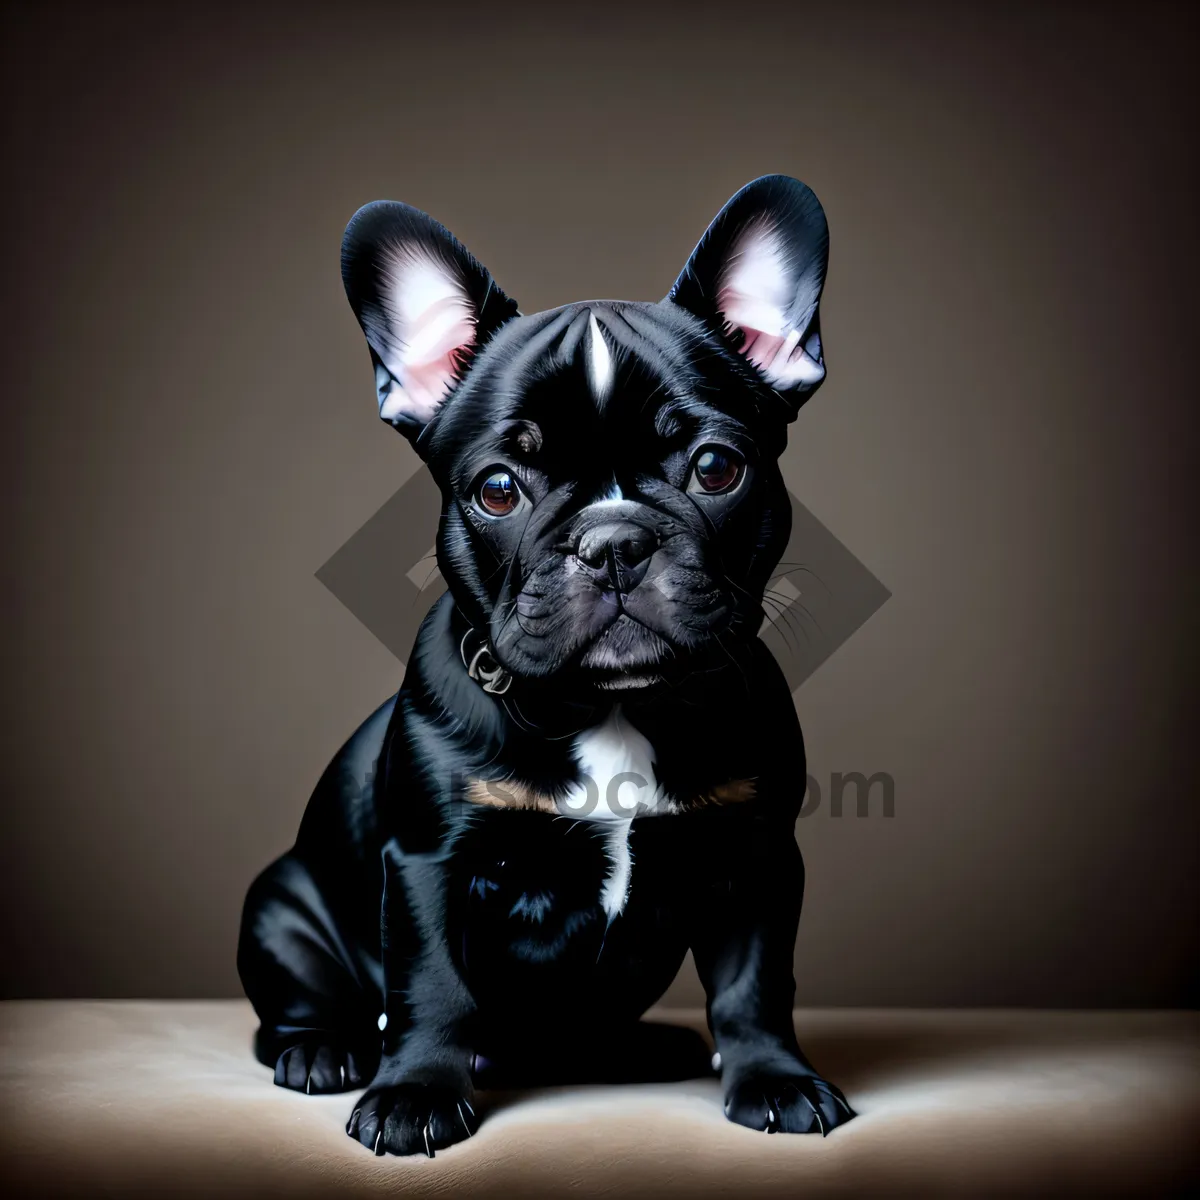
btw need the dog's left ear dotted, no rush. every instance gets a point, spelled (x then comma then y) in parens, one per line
(756, 278)
(424, 303)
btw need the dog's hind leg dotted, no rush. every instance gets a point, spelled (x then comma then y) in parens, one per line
(316, 992)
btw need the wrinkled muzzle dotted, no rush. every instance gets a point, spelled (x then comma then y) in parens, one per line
(619, 588)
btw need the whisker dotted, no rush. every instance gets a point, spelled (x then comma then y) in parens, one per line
(782, 621)
(796, 568)
(797, 603)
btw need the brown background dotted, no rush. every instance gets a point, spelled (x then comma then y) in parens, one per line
(1005, 440)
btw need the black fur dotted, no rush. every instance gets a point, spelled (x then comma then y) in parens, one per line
(477, 928)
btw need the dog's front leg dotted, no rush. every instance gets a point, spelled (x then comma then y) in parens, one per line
(421, 1098)
(743, 947)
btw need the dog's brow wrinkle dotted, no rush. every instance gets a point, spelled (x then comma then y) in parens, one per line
(635, 334)
(572, 336)
(513, 378)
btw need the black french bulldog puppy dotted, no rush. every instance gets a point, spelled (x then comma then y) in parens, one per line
(593, 764)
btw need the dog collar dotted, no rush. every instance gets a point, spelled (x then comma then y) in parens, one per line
(481, 664)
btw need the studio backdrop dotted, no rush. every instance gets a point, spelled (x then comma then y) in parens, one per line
(217, 553)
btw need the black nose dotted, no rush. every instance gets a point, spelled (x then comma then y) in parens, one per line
(621, 546)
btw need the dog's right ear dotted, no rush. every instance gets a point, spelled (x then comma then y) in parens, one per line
(755, 278)
(424, 303)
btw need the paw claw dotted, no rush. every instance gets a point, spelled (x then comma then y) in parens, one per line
(317, 1068)
(465, 1125)
(411, 1118)
(787, 1104)
(835, 1094)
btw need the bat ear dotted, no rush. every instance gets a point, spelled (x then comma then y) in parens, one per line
(424, 303)
(756, 278)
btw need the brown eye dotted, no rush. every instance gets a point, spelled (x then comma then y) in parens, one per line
(716, 469)
(498, 494)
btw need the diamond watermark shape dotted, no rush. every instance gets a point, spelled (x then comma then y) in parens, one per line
(386, 574)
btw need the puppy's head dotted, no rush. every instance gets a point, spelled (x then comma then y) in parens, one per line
(613, 508)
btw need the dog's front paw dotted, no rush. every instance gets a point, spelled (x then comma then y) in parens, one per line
(787, 1104)
(316, 1068)
(411, 1118)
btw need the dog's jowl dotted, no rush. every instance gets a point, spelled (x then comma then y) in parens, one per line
(594, 764)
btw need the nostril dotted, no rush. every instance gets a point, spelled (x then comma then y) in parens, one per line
(634, 547)
(627, 544)
(593, 548)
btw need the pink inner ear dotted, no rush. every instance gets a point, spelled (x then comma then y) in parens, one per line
(762, 349)
(437, 344)
(782, 360)
(431, 323)
(426, 384)
(754, 297)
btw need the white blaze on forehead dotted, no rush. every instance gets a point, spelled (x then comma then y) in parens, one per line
(431, 320)
(599, 360)
(755, 294)
(611, 495)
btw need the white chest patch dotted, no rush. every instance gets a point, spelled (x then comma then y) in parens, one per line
(616, 773)
(616, 783)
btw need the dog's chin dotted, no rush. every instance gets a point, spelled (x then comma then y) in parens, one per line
(627, 657)
(629, 682)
